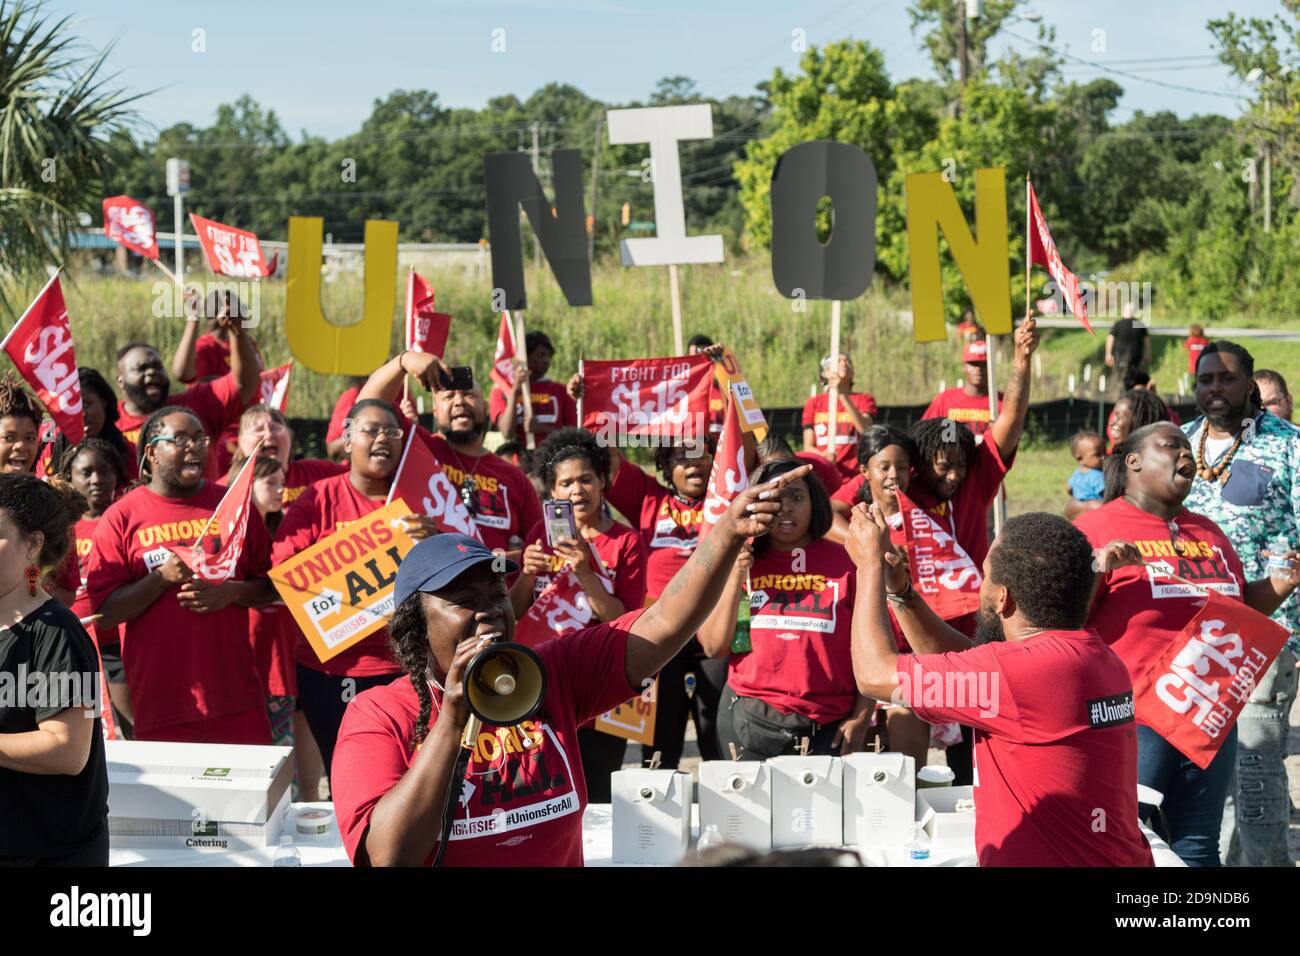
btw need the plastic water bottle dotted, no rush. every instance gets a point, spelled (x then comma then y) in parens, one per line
(287, 854)
(1278, 565)
(710, 838)
(918, 848)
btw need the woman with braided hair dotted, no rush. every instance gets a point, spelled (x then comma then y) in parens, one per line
(99, 412)
(185, 644)
(20, 428)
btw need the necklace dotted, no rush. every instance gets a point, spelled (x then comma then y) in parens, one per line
(1217, 472)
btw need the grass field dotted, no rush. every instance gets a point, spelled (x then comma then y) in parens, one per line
(1037, 480)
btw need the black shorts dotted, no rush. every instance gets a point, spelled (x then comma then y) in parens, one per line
(111, 658)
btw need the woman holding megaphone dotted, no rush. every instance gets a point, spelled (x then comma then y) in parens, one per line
(519, 795)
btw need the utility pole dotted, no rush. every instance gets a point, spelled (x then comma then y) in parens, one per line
(595, 189)
(1268, 171)
(963, 58)
(537, 171)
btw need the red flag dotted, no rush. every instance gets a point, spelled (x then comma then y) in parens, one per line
(230, 251)
(1042, 251)
(131, 224)
(422, 484)
(561, 608)
(215, 554)
(40, 346)
(942, 572)
(1194, 692)
(666, 397)
(729, 476)
(274, 387)
(503, 363)
(426, 330)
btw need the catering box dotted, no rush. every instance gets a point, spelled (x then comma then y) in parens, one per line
(807, 801)
(879, 799)
(196, 796)
(948, 816)
(736, 797)
(652, 816)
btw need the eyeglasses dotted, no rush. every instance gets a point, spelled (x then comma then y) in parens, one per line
(374, 431)
(182, 442)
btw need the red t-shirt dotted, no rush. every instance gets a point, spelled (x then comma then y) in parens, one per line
(971, 410)
(830, 476)
(340, 413)
(846, 436)
(848, 492)
(324, 508)
(1055, 746)
(274, 635)
(1195, 345)
(507, 501)
(304, 472)
(552, 408)
(621, 560)
(799, 623)
(211, 356)
(668, 523)
(524, 792)
(181, 666)
(216, 404)
(81, 606)
(965, 514)
(1139, 611)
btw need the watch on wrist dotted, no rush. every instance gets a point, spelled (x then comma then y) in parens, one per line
(904, 597)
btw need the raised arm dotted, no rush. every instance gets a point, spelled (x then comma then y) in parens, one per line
(719, 628)
(244, 364)
(184, 368)
(386, 381)
(1010, 424)
(661, 631)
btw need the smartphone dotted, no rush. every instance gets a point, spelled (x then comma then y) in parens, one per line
(459, 378)
(558, 518)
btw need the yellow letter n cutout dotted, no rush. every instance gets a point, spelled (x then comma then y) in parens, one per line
(319, 344)
(931, 207)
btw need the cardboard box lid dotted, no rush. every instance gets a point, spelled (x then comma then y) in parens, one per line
(895, 766)
(214, 762)
(824, 769)
(651, 786)
(719, 773)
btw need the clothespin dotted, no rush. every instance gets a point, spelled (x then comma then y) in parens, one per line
(877, 743)
(655, 759)
(735, 754)
(803, 746)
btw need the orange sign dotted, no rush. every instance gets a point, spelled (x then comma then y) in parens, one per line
(731, 378)
(633, 719)
(340, 590)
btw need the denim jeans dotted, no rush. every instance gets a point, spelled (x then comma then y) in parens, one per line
(1192, 810)
(1258, 813)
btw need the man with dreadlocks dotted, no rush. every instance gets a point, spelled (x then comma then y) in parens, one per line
(185, 646)
(1248, 483)
(522, 796)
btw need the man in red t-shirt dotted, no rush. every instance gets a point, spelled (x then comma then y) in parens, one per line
(1051, 704)
(217, 404)
(501, 499)
(857, 411)
(1195, 344)
(968, 403)
(552, 406)
(518, 795)
(185, 647)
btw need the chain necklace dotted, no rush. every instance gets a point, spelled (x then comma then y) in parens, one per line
(1217, 472)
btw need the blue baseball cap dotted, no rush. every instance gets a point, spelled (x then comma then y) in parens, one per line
(436, 561)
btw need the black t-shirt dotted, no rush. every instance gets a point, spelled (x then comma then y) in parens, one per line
(1128, 341)
(47, 665)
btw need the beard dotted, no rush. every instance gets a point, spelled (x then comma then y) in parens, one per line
(1231, 420)
(139, 397)
(988, 628)
(462, 436)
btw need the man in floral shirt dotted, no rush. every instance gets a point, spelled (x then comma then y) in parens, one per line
(1248, 482)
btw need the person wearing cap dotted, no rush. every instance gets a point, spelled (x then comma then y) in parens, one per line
(968, 402)
(522, 797)
(857, 412)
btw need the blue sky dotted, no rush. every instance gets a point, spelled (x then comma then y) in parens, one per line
(320, 64)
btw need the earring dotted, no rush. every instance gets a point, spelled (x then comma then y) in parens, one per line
(33, 574)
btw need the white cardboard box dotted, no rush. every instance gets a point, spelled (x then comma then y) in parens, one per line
(807, 801)
(736, 797)
(879, 799)
(208, 783)
(652, 816)
(199, 834)
(936, 809)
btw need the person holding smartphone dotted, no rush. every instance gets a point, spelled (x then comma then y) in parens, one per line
(606, 557)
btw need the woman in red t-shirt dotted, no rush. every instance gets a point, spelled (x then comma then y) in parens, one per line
(265, 425)
(373, 445)
(796, 678)
(94, 469)
(1157, 560)
(607, 559)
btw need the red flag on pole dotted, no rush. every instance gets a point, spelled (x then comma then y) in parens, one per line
(425, 487)
(274, 387)
(215, 554)
(131, 224)
(942, 572)
(426, 329)
(40, 345)
(503, 367)
(1042, 251)
(729, 476)
(562, 607)
(232, 252)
